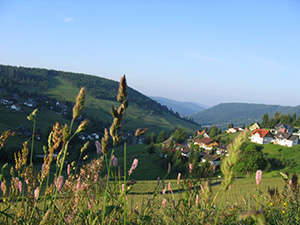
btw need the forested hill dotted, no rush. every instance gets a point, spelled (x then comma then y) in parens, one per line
(239, 113)
(12, 77)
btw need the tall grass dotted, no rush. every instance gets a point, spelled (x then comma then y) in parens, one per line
(98, 192)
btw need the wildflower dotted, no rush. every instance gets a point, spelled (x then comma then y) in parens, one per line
(78, 184)
(20, 185)
(114, 161)
(190, 167)
(3, 187)
(133, 166)
(285, 204)
(96, 177)
(98, 147)
(197, 200)
(271, 204)
(283, 211)
(43, 168)
(169, 187)
(119, 172)
(164, 201)
(123, 187)
(85, 157)
(36, 193)
(164, 191)
(90, 204)
(258, 176)
(158, 179)
(202, 189)
(68, 169)
(178, 178)
(163, 184)
(290, 184)
(59, 183)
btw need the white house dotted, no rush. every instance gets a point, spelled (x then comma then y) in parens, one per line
(214, 160)
(261, 136)
(286, 139)
(15, 107)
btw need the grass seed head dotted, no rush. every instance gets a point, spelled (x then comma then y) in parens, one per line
(77, 109)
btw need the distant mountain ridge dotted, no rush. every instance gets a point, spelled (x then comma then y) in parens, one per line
(239, 113)
(183, 108)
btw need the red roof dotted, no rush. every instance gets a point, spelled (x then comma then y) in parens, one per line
(206, 140)
(262, 132)
(202, 132)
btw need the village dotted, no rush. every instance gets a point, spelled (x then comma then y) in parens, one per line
(212, 150)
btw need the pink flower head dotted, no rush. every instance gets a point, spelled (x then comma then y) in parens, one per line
(59, 183)
(202, 189)
(3, 186)
(78, 184)
(190, 167)
(68, 169)
(114, 161)
(90, 204)
(96, 177)
(178, 178)
(197, 200)
(123, 187)
(20, 186)
(164, 202)
(119, 172)
(133, 166)
(43, 167)
(36, 193)
(290, 184)
(164, 191)
(98, 147)
(258, 176)
(169, 187)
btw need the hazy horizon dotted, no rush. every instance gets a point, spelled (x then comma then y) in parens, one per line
(195, 51)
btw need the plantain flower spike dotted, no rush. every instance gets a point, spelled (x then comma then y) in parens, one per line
(82, 126)
(104, 141)
(140, 131)
(77, 109)
(122, 94)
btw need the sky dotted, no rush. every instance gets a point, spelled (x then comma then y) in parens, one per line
(207, 52)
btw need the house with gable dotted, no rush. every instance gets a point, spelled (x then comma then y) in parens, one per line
(254, 126)
(286, 139)
(285, 128)
(15, 107)
(206, 143)
(214, 160)
(222, 149)
(261, 136)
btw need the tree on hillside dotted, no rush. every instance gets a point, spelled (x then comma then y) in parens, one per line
(265, 121)
(180, 135)
(286, 119)
(230, 125)
(214, 131)
(150, 138)
(251, 159)
(162, 136)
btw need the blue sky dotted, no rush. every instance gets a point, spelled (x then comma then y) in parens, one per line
(206, 52)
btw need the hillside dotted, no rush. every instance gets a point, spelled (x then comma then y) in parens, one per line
(183, 108)
(101, 94)
(239, 113)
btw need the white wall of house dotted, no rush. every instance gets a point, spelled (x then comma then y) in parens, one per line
(287, 143)
(259, 140)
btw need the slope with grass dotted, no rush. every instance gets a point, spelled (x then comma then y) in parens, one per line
(101, 94)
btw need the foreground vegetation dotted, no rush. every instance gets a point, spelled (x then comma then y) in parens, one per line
(101, 192)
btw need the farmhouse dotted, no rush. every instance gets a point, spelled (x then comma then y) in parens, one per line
(15, 107)
(221, 149)
(285, 128)
(212, 159)
(261, 136)
(254, 126)
(206, 143)
(286, 139)
(232, 130)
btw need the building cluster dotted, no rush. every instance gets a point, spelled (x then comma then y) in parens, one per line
(281, 135)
